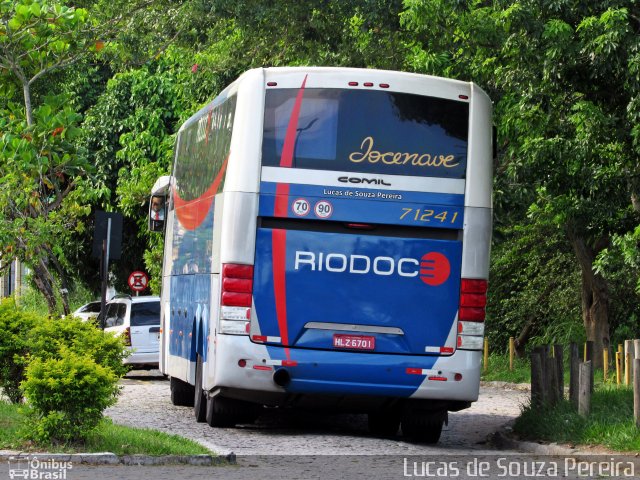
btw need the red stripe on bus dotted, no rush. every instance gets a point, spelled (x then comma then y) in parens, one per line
(286, 160)
(281, 207)
(191, 213)
(279, 246)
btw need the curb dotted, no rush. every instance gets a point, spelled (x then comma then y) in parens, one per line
(502, 441)
(107, 458)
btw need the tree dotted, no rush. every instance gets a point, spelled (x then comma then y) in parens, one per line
(41, 167)
(564, 77)
(44, 171)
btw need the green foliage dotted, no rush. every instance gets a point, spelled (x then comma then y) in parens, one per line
(25, 336)
(53, 337)
(130, 134)
(534, 284)
(106, 437)
(498, 369)
(564, 79)
(15, 324)
(610, 422)
(67, 396)
(39, 167)
(37, 35)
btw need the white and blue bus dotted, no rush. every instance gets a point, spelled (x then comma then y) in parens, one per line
(327, 242)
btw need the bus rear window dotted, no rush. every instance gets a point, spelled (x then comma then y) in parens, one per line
(369, 132)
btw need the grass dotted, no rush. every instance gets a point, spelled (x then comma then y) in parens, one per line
(610, 422)
(498, 369)
(11, 421)
(107, 437)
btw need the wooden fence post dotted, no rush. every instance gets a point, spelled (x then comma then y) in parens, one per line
(558, 355)
(605, 364)
(486, 354)
(584, 398)
(537, 380)
(618, 367)
(512, 352)
(574, 365)
(551, 381)
(628, 356)
(636, 392)
(588, 348)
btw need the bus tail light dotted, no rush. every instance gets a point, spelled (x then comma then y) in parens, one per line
(471, 314)
(473, 299)
(237, 292)
(237, 285)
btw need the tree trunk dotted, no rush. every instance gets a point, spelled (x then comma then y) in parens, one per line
(523, 338)
(595, 297)
(42, 279)
(26, 90)
(64, 292)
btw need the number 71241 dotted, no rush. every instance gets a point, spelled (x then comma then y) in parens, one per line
(427, 215)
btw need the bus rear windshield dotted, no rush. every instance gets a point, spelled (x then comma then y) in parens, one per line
(367, 131)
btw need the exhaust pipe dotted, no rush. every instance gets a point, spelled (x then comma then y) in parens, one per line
(281, 377)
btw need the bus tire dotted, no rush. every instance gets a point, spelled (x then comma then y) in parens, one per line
(181, 392)
(227, 412)
(423, 427)
(199, 397)
(383, 424)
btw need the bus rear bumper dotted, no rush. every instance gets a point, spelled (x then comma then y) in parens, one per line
(252, 367)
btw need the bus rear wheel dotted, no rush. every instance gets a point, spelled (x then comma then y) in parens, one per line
(181, 393)
(384, 424)
(423, 427)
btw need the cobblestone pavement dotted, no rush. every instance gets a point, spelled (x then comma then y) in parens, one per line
(145, 402)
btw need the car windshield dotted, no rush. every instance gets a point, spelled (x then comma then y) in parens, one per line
(93, 307)
(147, 313)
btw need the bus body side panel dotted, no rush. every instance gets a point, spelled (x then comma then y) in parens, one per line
(192, 264)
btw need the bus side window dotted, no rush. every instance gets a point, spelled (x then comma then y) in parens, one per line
(157, 213)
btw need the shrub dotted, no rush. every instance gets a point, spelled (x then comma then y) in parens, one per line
(14, 327)
(67, 396)
(50, 336)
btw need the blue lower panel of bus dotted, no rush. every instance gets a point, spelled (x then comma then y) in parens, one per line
(352, 373)
(335, 291)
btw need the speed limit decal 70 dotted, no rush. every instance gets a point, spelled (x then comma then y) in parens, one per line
(300, 207)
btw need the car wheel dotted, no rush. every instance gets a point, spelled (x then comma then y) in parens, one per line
(199, 397)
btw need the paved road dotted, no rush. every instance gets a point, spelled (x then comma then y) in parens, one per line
(286, 445)
(295, 433)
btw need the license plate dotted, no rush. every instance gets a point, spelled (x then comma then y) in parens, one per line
(355, 342)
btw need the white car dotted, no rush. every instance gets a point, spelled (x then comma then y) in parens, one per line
(88, 311)
(138, 320)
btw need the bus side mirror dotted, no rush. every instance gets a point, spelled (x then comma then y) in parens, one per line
(157, 213)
